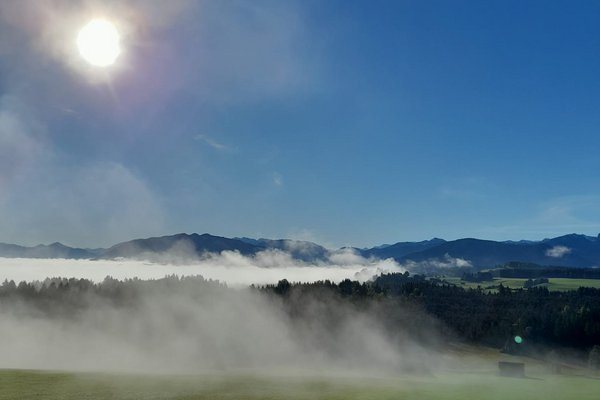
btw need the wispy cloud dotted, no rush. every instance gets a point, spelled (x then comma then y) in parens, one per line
(569, 209)
(212, 142)
(468, 189)
(555, 216)
(277, 179)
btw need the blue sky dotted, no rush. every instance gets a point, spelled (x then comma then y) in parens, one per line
(343, 122)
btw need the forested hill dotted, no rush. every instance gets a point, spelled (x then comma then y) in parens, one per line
(543, 318)
(411, 304)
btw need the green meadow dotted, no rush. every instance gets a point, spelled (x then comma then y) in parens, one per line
(477, 383)
(554, 284)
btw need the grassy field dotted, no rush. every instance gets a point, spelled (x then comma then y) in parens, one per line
(452, 385)
(571, 284)
(466, 372)
(556, 284)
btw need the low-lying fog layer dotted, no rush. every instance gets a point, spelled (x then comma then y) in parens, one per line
(175, 326)
(228, 267)
(191, 325)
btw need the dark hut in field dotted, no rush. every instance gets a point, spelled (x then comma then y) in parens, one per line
(511, 369)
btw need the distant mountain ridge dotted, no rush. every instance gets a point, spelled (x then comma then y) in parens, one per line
(571, 250)
(401, 249)
(183, 244)
(188, 245)
(54, 250)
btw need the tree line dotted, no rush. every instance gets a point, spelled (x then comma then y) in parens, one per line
(565, 319)
(412, 304)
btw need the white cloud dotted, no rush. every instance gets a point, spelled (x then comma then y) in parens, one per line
(229, 267)
(346, 256)
(437, 263)
(558, 251)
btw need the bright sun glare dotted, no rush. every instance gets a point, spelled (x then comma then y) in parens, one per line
(98, 43)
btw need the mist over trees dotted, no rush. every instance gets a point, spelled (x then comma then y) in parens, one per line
(401, 305)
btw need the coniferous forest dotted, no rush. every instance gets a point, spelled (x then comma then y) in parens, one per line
(400, 303)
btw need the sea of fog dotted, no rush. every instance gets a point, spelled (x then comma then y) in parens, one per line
(183, 328)
(228, 267)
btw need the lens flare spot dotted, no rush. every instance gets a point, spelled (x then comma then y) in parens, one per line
(518, 339)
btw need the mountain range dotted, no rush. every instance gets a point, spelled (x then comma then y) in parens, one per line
(572, 250)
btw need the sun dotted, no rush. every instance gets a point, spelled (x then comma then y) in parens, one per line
(99, 43)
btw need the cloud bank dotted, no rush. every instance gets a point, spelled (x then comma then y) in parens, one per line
(229, 267)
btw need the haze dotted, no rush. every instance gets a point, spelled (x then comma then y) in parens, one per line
(342, 124)
(331, 127)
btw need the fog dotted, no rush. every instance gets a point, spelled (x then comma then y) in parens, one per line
(228, 267)
(193, 325)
